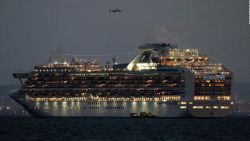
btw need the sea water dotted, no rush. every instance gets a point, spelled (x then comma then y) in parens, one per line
(127, 129)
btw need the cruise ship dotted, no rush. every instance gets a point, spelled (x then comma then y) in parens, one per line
(162, 80)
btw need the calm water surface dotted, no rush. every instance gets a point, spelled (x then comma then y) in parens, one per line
(106, 129)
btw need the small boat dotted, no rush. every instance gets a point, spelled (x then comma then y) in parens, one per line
(142, 115)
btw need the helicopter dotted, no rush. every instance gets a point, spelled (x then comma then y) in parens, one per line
(115, 10)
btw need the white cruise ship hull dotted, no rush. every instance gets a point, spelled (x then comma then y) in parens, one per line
(212, 109)
(120, 108)
(99, 108)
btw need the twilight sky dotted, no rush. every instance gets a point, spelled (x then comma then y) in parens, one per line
(31, 29)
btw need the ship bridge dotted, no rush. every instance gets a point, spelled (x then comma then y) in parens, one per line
(147, 59)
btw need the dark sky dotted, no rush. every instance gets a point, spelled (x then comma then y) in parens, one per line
(31, 29)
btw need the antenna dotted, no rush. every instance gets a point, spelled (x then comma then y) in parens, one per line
(57, 56)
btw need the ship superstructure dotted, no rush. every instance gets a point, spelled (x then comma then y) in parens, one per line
(161, 79)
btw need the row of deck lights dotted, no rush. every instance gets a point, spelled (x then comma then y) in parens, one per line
(105, 99)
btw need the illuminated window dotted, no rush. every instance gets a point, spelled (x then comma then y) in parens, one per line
(183, 107)
(215, 107)
(202, 98)
(224, 107)
(208, 107)
(223, 98)
(197, 107)
(183, 103)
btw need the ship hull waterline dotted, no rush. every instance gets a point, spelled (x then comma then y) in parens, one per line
(105, 108)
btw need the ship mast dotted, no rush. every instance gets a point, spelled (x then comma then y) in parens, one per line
(57, 57)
